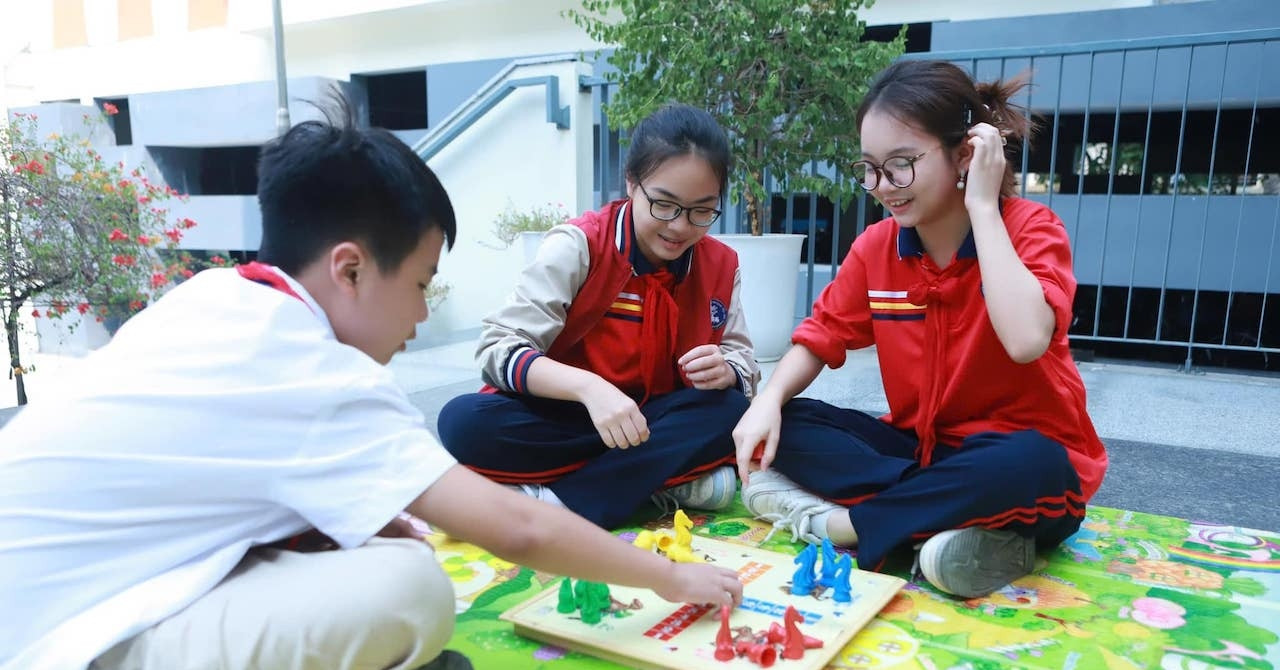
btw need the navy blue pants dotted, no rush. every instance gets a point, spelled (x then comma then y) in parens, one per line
(1020, 481)
(522, 439)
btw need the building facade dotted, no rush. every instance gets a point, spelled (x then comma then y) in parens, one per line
(1156, 117)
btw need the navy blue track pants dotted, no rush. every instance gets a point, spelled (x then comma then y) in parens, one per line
(522, 439)
(1019, 481)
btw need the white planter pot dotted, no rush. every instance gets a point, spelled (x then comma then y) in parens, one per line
(770, 268)
(529, 243)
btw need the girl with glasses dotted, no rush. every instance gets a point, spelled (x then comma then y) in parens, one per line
(987, 453)
(618, 368)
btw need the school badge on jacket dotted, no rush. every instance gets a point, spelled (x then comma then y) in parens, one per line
(719, 314)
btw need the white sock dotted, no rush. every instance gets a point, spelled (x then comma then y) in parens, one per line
(546, 495)
(537, 491)
(818, 524)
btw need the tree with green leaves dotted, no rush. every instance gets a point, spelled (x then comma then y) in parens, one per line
(783, 77)
(78, 233)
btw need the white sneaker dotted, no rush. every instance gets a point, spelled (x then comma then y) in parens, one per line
(973, 562)
(538, 491)
(713, 492)
(770, 496)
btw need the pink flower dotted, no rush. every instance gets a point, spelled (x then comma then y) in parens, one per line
(110, 109)
(35, 313)
(158, 279)
(174, 235)
(82, 307)
(117, 235)
(1158, 613)
(187, 274)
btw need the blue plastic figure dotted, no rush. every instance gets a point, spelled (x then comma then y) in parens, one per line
(829, 565)
(802, 581)
(842, 587)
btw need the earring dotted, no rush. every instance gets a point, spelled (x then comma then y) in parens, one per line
(960, 182)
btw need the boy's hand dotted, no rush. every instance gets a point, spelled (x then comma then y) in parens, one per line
(405, 525)
(616, 417)
(705, 367)
(700, 583)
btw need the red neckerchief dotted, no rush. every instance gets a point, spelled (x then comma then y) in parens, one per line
(266, 275)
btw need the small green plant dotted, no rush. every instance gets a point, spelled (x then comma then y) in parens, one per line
(436, 292)
(511, 222)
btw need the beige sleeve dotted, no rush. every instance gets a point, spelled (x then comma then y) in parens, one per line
(534, 313)
(736, 346)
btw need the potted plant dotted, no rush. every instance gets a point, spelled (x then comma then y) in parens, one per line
(527, 225)
(783, 78)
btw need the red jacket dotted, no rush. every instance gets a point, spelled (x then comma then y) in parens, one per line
(694, 313)
(946, 375)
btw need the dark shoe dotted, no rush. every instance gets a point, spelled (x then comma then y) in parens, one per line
(449, 660)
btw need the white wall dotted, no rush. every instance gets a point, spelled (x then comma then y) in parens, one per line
(511, 156)
(442, 32)
(322, 37)
(222, 221)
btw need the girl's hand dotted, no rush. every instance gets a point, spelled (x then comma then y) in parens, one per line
(986, 167)
(705, 367)
(761, 425)
(616, 417)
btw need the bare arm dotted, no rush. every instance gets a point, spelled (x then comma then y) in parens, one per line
(548, 538)
(763, 420)
(1020, 315)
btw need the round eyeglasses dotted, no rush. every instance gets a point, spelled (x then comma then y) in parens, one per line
(898, 170)
(665, 210)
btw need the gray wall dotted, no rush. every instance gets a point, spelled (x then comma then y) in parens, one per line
(1207, 16)
(450, 84)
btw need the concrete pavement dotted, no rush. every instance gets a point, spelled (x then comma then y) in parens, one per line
(1198, 445)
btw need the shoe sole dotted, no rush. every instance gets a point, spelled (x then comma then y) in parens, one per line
(977, 561)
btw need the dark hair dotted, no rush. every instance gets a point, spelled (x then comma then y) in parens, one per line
(677, 130)
(942, 100)
(326, 182)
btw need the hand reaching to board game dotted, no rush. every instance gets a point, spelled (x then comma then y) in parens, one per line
(702, 584)
(545, 537)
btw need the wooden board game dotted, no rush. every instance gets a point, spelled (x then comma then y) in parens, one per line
(644, 631)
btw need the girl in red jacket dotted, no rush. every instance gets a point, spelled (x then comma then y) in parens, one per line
(618, 368)
(987, 452)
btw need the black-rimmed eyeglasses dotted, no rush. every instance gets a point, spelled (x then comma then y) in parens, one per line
(899, 170)
(665, 210)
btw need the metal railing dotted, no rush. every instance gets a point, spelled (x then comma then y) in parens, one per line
(1152, 151)
(488, 97)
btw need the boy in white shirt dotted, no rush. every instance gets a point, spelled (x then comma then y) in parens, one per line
(251, 405)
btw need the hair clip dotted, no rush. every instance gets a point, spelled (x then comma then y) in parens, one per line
(968, 116)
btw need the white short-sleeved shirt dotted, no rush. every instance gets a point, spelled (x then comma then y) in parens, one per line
(224, 416)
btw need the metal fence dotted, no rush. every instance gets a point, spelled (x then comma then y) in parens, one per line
(1161, 156)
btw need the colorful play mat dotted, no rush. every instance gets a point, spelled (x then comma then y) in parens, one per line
(1129, 590)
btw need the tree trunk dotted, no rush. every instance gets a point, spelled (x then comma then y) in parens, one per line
(11, 316)
(753, 211)
(15, 357)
